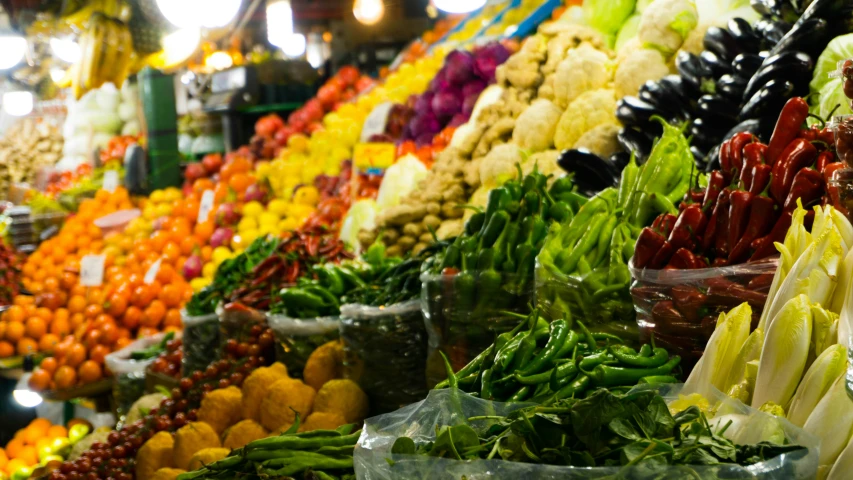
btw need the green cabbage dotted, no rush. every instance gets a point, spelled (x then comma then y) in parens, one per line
(830, 96)
(840, 48)
(608, 16)
(628, 31)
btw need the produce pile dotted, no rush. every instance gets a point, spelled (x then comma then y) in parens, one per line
(10, 273)
(26, 147)
(40, 444)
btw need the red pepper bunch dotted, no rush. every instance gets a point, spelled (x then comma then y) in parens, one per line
(748, 203)
(336, 196)
(296, 253)
(10, 274)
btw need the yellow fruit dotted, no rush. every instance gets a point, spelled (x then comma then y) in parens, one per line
(157, 196)
(268, 219)
(150, 212)
(220, 254)
(246, 224)
(208, 270)
(288, 224)
(253, 209)
(278, 207)
(199, 283)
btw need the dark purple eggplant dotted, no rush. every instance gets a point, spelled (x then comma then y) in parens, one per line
(692, 70)
(592, 173)
(620, 160)
(707, 132)
(715, 63)
(731, 87)
(760, 127)
(795, 67)
(744, 35)
(722, 43)
(809, 37)
(698, 156)
(838, 12)
(633, 140)
(712, 159)
(654, 93)
(746, 64)
(679, 91)
(718, 107)
(769, 100)
(632, 111)
(771, 31)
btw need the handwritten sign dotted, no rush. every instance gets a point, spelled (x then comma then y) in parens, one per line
(375, 123)
(92, 270)
(205, 206)
(151, 274)
(374, 155)
(110, 182)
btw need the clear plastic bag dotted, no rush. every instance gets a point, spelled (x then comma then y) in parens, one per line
(296, 338)
(680, 307)
(374, 461)
(463, 321)
(236, 322)
(129, 374)
(385, 353)
(201, 342)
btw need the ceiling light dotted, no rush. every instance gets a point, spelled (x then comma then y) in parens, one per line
(458, 6)
(368, 12)
(219, 60)
(18, 103)
(199, 13)
(294, 46)
(12, 50)
(279, 22)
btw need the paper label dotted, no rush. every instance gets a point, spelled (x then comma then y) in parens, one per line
(92, 270)
(205, 206)
(368, 156)
(375, 123)
(110, 182)
(151, 274)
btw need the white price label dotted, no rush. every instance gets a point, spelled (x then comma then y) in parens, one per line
(151, 274)
(206, 206)
(92, 270)
(374, 124)
(110, 182)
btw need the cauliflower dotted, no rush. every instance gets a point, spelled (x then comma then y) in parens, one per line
(284, 399)
(638, 67)
(666, 23)
(344, 397)
(546, 162)
(166, 474)
(584, 69)
(191, 438)
(324, 364)
(322, 421)
(243, 433)
(535, 127)
(601, 140)
(546, 90)
(570, 37)
(154, 455)
(499, 165)
(207, 456)
(521, 70)
(694, 42)
(221, 408)
(255, 388)
(146, 403)
(594, 108)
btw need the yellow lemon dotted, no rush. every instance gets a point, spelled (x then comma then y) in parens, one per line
(199, 283)
(278, 207)
(208, 270)
(247, 223)
(253, 209)
(268, 218)
(220, 254)
(157, 196)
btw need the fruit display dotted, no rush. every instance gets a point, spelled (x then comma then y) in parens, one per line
(10, 273)
(107, 51)
(39, 444)
(27, 147)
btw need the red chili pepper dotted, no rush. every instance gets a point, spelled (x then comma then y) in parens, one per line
(730, 294)
(721, 240)
(793, 114)
(760, 179)
(797, 155)
(667, 318)
(739, 202)
(690, 301)
(726, 161)
(664, 223)
(763, 247)
(824, 159)
(738, 142)
(753, 156)
(810, 134)
(662, 256)
(807, 186)
(710, 236)
(762, 216)
(648, 244)
(761, 282)
(684, 259)
(688, 228)
(712, 191)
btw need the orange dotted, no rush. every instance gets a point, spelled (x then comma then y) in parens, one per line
(122, 342)
(61, 326)
(206, 253)
(93, 310)
(98, 353)
(173, 318)
(89, 372)
(2, 329)
(14, 447)
(3, 459)
(171, 251)
(27, 346)
(146, 332)
(76, 321)
(15, 464)
(29, 455)
(159, 240)
(49, 365)
(44, 313)
(166, 274)
(15, 313)
(154, 314)
(48, 342)
(116, 305)
(51, 284)
(39, 426)
(76, 354)
(36, 327)
(6, 349)
(204, 230)
(65, 377)
(132, 317)
(14, 331)
(171, 295)
(57, 431)
(23, 300)
(109, 333)
(143, 295)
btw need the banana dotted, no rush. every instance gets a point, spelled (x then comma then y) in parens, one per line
(107, 63)
(91, 54)
(122, 67)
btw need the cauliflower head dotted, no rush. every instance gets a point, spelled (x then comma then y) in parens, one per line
(639, 66)
(570, 36)
(601, 140)
(324, 364)
(585, 68)
(166, 474)
(535, 127)
(343, 397)
(255, 387)
(191, 438)
(545, 162)
(284, 399)
(207, 456)
(593, 108)
(155, 454)
(322, 421)
(242, 433)
(145, 403)
(221, 408)
(498, 166)
(666, 23)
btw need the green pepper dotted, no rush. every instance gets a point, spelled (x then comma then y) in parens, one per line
(505, 241)
(520, 394)
(375, 255)
(559, 335)
(592, 361)
(657, 379)
(560, 212)
(528, 184)
(561, 185)
(514, 189)
(585, 243)
(493, 230)
(659, 357)
(628, 183)
(578, 386)
(472, 366)
(560, 371)
(498, 200)
(351, 277)
(485, 259)
(610, 376)
(603, 244)
(525, 353)
(475, 223)
(486, 385)
(645, 350)
(330, 298)
(295, 298)
(451, 258)
(464, 286)
(532, 203)
(490, 286)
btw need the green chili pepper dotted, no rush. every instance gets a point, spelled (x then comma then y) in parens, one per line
(464, 284)
(590, 340)
(560, 371)
(609, 376)
(585, 243)
(594, 360)
(645, 350)
(525, 353)
(562, 185)
(659, 357)
(520, 395)
(540, 231)
(485, 259)
(331, 300)
(472, 367)
(578, 386)
(498, 200)
(295, 298)
(559, 335)
(475, 223)
(628, 182)
(528, 184)
(601, 336)
(351, 277)
(451, 258)
(452, 379)
(532, 203)
(560, 212)
(654, 379)
(494, 228)
(601, 293)
(486, 385)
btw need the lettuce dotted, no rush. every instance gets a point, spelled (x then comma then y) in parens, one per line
(840, 48)
(608, 16)
(628, 31)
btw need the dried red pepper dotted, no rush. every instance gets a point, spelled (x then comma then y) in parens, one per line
(688, 228)
(753, 156)
(738, 142)
(797, 155)
(807, 187)
(793, 114)
(647, 246)
(712, 191)
(763, 247)
(760, 179)
(762, 216)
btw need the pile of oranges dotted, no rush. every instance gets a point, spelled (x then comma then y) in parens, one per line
(32, 445)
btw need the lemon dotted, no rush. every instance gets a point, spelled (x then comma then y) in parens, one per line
(199, 283)
(247, 223)
(269, 229)
(220, 254)
(253, 209)
(150, 212)
(268, 218)
(278, 207)
(208, 270)
(172, 194)
(288, 224)
(163, 210)
(244, 239)
(158, 196)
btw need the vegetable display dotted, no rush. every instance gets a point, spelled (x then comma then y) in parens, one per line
(10, 273)
(400, 282)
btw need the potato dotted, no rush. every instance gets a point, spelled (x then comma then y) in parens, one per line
(406, 242)
(432, 221)
(456, 192)
(433, 208)
(418, 247)
(394, 251)
(413, 230)
(426, 238)
(366, 237)
(390, 236)
(452, 210)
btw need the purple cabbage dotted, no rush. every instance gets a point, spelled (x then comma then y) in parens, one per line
(468, 104)
(447, 103)
(439, 82)
(459, 66)
(459, 119)
(425, 124)
(474, 87)
(423, 104)
(487, 59)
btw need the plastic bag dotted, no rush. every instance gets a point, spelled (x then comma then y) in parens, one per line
(201, 342)
(463, 321)
(385, 353)
(129, 374)
(236, 322)
(680, 307)
(374, 461)
(296, 338)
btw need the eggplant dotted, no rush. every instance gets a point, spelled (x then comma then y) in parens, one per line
(632, 111)
(762, 7)
(592, 173)
(794, 66)
(620, 160)
(692, 70)
(769, 100)
(717, 107)
(809, 36)
(772, 31)
(712, 159)
(654, 93)
(746, 64)
(731, 87)
(698, 156)
(715, 63)
(722, 43)
(760, 127)
(839, 12)
(635, 141)
(707, 132)
(679, 92)
(744, 35)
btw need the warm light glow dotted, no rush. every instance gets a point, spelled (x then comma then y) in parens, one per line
(217, 13)
(368, 12)
(219, 60)
(12, 50)
(57, 74)
(327, 37)
(458, 6)
(294, 46)
(23, 395)
(199, 13)
(279, 22)
(180, 45)
(66, 49)
(18, 104)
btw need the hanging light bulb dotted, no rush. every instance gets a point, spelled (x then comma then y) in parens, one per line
(219, 60)
(294, 46)
(12, 50)
(368, 12)
(18, 103)
(179, 45)
(218, 13)
(57, 74)
(66, 49)
(279, 22)
(458, 6)
(199, 13)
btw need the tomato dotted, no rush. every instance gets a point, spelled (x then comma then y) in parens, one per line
(329, 94)
(212, 162)
(349, 74)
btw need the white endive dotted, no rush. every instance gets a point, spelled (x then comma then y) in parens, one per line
(824, 331)
(843, 466)
(845, 228)
(740, 384)
(784, 354)
(845, 297)
(845, 273)
(796, 241)
(832, 421)
(729, 336)
(819, 377)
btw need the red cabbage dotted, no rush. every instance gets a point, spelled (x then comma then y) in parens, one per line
(423, 105)
(447, 103)
(459, 67)
(439, 82)
(474, 87)
(487, 59)
(425, 124)
(468, 104)
(458, 119)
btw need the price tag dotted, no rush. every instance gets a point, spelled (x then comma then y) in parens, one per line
(110, 182)
(368, 156)
(151, 274)
(205, 206)
(92, 270)
(374, 124)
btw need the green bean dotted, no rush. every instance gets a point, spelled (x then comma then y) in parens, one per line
(296, 442)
